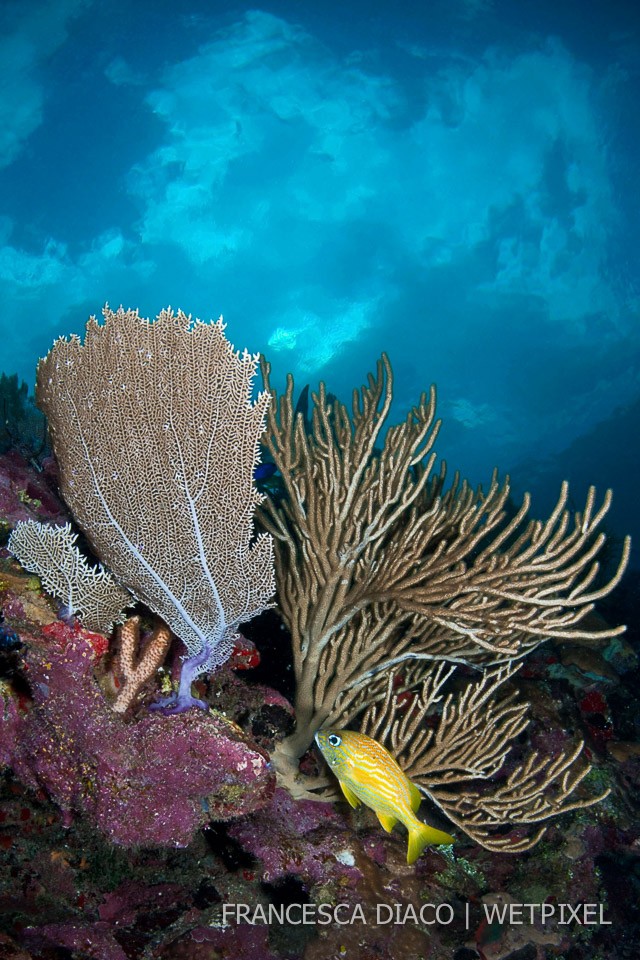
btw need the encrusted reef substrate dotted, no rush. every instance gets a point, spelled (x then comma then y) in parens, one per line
(153, 781)
(69, 889)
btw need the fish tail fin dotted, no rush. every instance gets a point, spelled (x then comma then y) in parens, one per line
(421, 836)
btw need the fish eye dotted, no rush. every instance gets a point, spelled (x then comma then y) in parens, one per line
(334, 740)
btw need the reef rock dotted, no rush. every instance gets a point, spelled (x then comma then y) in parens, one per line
(152, 781)
(26, 494)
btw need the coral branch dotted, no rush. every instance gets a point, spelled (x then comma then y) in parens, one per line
(137, 669)
(386, 581)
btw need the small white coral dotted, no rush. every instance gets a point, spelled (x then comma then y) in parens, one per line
(52, 553)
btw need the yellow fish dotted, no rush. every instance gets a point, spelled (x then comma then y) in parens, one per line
(367, 773)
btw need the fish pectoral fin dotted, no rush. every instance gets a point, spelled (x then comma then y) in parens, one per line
(421, 836)
(415, 797)
(350, 795)
(387, 821)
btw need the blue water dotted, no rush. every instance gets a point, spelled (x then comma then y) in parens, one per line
(455, 182)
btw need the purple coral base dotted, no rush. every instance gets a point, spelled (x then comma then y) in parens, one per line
(183, 700)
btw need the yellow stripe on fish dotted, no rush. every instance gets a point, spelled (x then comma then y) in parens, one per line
(367, 773)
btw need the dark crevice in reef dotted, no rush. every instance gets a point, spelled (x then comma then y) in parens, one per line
(272, 639)
(226, 848)
(289, 939)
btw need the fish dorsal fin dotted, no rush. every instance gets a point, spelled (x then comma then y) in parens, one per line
(350, 795)
(388, 822)
(415, 797)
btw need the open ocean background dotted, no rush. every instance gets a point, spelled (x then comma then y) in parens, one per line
(455, 182)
